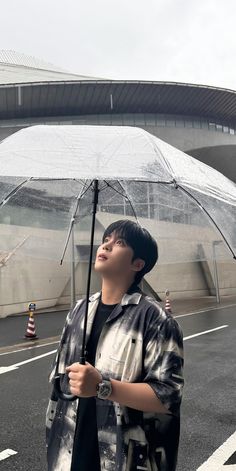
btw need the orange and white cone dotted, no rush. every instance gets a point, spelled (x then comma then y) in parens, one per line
(168, 306)
(167, 303)
(30, 332)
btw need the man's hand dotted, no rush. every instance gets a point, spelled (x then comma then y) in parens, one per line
(83, 379)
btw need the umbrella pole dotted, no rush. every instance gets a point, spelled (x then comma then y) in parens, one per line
(95, 202)
(216, 279)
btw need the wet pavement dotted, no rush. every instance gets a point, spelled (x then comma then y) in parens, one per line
(208, 409)
(49, 323)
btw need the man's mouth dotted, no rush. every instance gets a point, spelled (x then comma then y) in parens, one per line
(102, 257)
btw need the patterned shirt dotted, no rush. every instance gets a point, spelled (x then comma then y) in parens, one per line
(139, 342)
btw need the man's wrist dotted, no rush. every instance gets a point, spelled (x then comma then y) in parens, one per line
(104, 389)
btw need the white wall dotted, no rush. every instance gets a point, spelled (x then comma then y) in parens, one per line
(26, 277)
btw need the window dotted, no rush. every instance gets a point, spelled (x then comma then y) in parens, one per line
(104, 119)
(139, 119)
(212, 126)
(117, 119)
(179, 123)
(188, 123)
(170, 123)
(150, 119)
(204, 124)
(92, 119)
(196, 124)
(161, 121)
(128, 119)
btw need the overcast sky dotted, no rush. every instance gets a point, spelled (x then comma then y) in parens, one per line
(176, 40)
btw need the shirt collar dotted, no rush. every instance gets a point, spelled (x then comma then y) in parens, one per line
(132, 298)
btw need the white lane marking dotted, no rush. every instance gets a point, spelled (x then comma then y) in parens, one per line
(6, 453)
(220, 456)
(6, 369)
(29, 348)
(205, 332)
(35, 358)
(205, 310)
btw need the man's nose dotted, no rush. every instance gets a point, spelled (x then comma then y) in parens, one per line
(107, 246)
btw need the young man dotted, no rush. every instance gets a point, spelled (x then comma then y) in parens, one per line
(127, 414)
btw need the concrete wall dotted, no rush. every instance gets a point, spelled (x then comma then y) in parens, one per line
(191, 138)
(25, 277)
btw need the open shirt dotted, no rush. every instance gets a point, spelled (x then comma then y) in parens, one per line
(139, 342)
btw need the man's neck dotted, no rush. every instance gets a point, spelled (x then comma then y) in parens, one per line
(113, 292)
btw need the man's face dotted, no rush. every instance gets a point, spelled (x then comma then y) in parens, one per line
(115, 258)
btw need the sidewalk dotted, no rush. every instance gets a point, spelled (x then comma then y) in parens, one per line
(184, 306)
(178, 306)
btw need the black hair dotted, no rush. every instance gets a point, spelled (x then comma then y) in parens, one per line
(139, 239)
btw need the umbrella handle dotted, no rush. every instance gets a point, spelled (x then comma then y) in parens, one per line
(59, 393)
(57, 387)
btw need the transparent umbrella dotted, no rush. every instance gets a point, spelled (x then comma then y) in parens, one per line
(55, 176)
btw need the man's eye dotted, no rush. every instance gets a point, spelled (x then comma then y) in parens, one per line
(120, 242)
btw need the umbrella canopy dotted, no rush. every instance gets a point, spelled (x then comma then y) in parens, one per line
(129, 172)
(52, 172)
(116, 156)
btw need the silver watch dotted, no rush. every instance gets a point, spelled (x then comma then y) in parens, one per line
(104, 389)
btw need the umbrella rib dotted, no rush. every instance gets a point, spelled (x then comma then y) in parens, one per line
(208, 214)
(78, 198)
(124, 196)
(130, 202)
(13, 192)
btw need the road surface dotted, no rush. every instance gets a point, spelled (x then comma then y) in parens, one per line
(208, 424)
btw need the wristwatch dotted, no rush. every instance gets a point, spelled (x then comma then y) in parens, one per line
(104, 389)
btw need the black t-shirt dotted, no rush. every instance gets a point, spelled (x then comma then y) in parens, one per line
(85, 451)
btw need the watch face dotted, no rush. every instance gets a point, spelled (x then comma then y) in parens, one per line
(104, 389)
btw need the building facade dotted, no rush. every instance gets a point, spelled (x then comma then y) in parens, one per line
(197, 119)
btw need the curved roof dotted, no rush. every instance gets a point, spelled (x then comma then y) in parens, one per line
(18, 68)
(32, 88)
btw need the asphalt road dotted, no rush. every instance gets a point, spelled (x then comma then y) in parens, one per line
(208, 409)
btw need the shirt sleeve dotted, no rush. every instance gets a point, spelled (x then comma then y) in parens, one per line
(59, 349)
(163, 362)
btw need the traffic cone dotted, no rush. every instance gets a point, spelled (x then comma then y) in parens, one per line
(168, 306)
(30, 332)
(167, 303)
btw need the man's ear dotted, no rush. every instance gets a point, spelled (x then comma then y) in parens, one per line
(138, 264)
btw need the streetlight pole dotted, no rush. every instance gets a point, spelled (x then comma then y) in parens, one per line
(72, 283)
